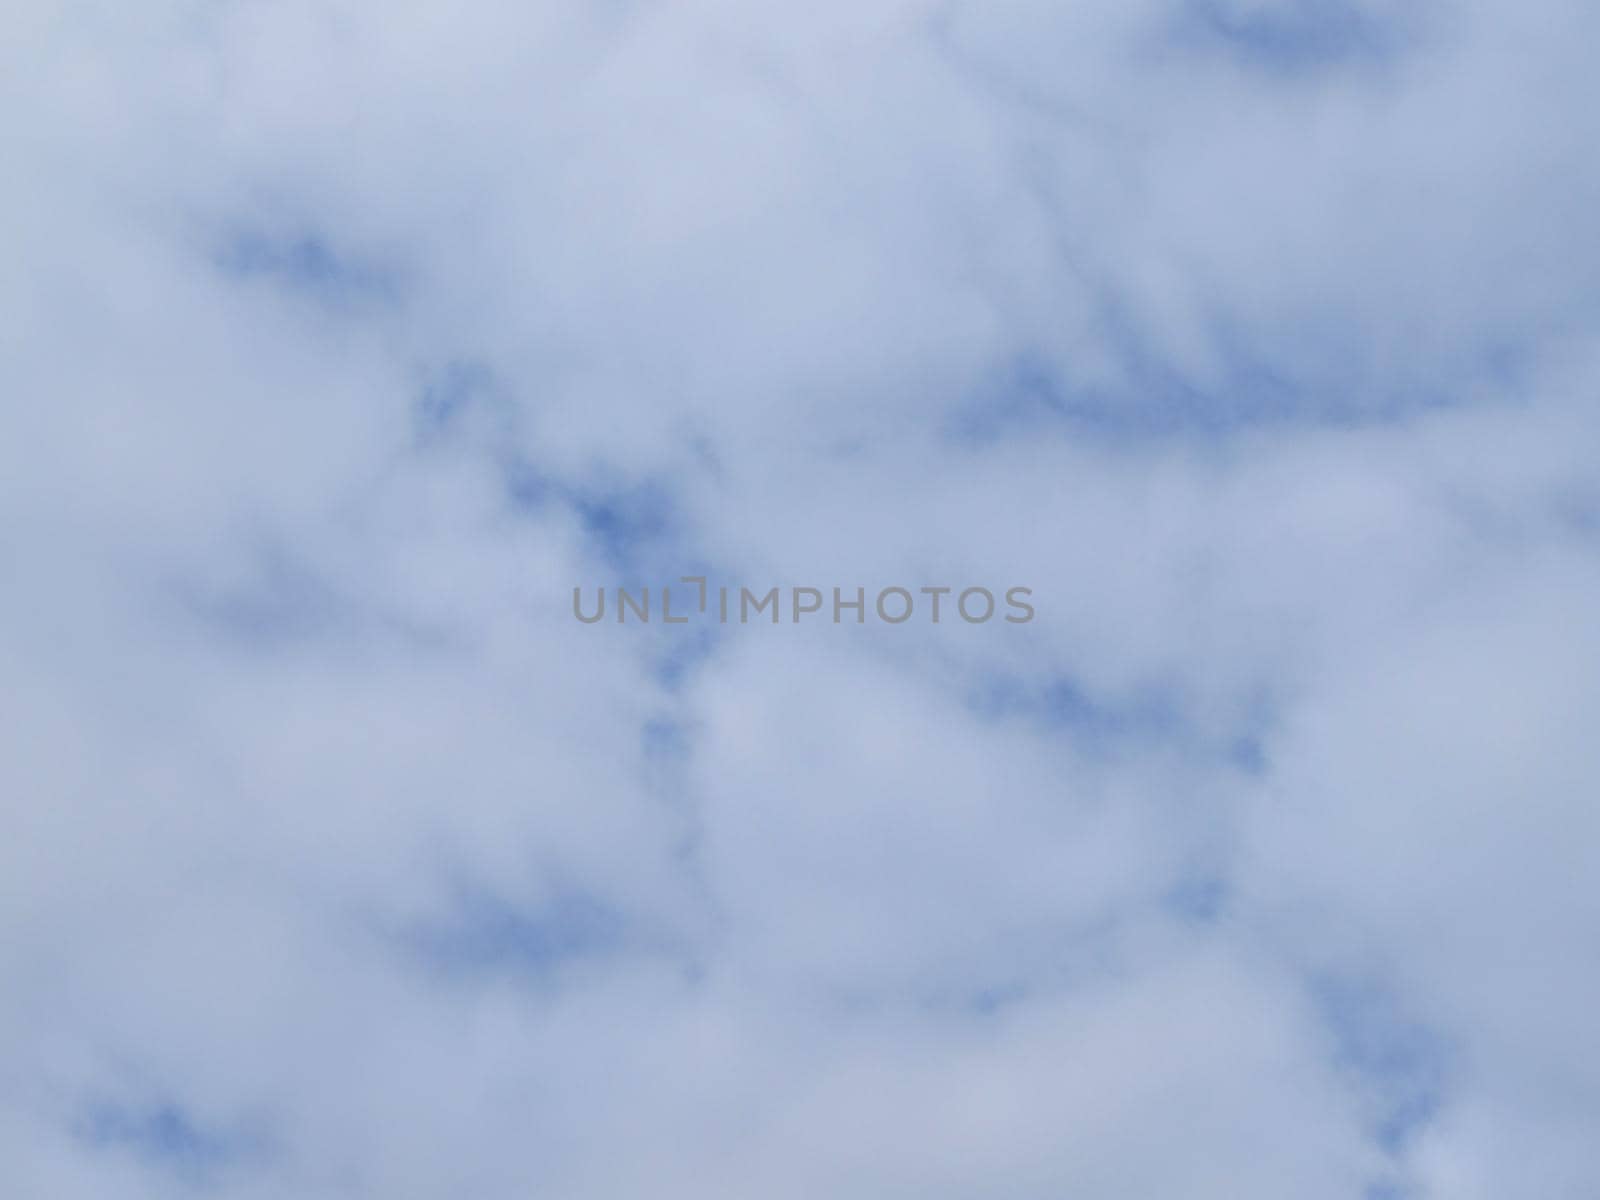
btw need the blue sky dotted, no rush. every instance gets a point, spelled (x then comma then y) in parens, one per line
(341, 341)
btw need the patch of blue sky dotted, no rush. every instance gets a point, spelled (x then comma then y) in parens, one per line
(1320, 371)
(1062, 704)
(1290, 38)
(1153, 719)
(1200, 896)
(634, 527)
(448, 393)
(307, 263)
(637, 531)
(483, 933)
(165, 1136)
(1151, 399)
(279, 599)
(684, 648)
(627, 523)
(1404, 1063)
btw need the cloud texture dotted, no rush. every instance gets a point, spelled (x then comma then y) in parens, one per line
(341, 340)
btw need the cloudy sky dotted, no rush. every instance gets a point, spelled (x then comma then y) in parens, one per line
(341, 340)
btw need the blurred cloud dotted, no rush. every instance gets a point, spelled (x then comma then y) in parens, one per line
(339, 342)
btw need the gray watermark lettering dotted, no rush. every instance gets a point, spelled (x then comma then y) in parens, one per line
(809, 608)
(894, 605)
(988, 599)
(1020, 605)
(641, 608)
(911, 604)
(745, 596)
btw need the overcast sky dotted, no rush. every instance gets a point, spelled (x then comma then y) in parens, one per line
(340, 340)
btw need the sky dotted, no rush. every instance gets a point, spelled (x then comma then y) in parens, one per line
(340, 341)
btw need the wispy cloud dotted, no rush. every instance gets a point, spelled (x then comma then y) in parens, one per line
(342, 341)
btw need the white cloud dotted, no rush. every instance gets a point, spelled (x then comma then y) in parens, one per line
(341, 342)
